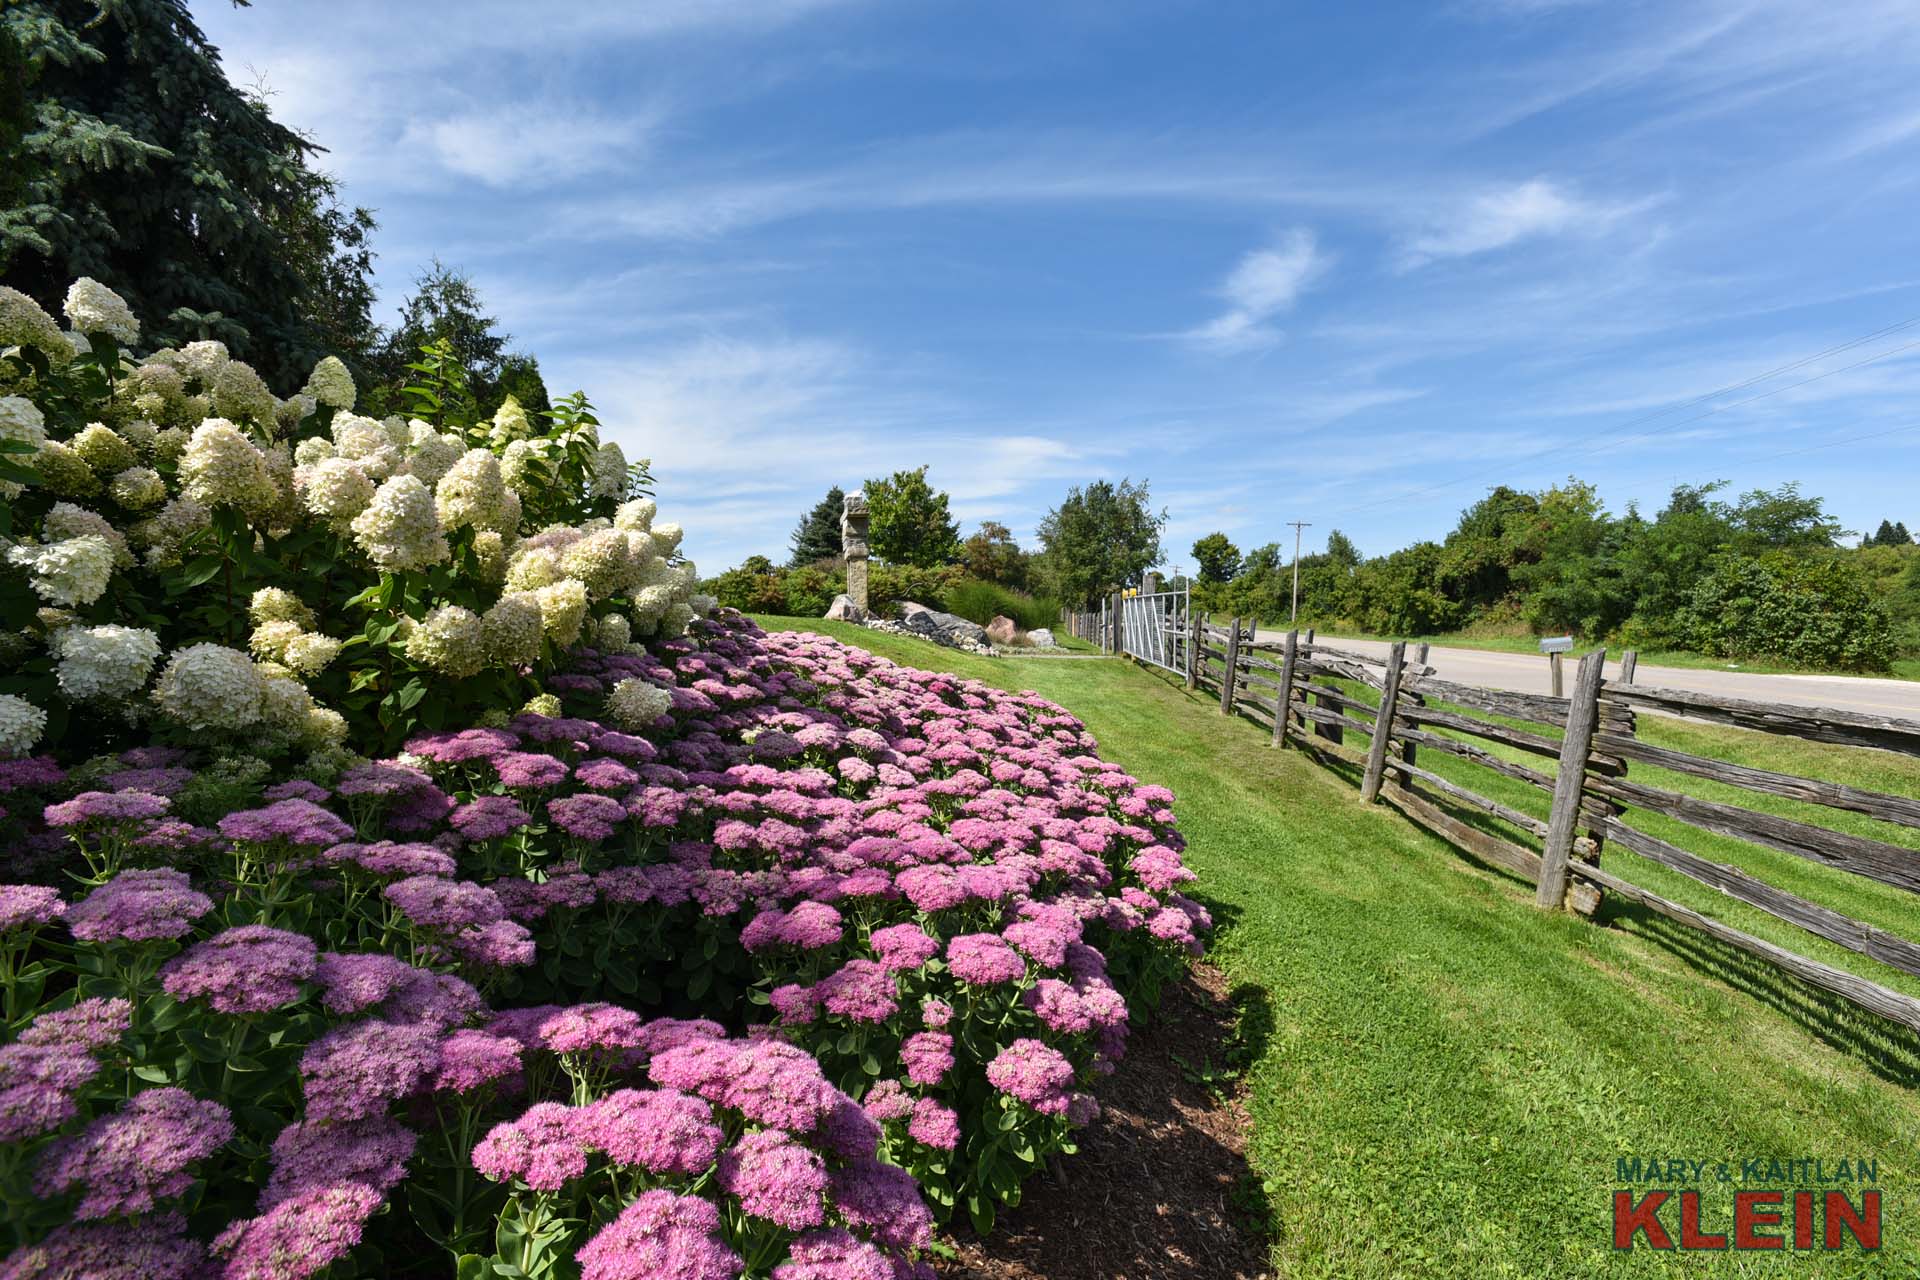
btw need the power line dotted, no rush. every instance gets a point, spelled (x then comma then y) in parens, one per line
(1701, 399)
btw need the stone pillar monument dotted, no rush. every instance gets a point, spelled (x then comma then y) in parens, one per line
(853, 544)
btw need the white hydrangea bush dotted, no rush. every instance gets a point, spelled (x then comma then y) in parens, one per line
(184, 553)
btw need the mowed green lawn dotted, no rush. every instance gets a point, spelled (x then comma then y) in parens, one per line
(1442, 1076)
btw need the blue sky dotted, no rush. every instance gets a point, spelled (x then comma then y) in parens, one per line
(1350, 264)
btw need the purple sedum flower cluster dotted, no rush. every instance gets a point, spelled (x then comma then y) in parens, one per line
(913, 909)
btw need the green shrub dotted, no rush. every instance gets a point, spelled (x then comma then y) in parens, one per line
(1807, 610)
(978, 601)
(890, 585)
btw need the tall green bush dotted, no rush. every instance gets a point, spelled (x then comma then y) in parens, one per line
(1812, 611)
(980, 602)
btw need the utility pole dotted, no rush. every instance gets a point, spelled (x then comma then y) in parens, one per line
(1298, 525)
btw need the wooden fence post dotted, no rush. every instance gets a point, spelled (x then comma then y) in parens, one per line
(1408, 752)
(1553, 663)
(1331, 732)
(1229, 682)
(1193, 650)
(1283, 706)
(1383, 725)
(1570, 780)
(1628, 661)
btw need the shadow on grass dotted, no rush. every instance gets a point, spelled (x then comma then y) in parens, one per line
(1888, 1050)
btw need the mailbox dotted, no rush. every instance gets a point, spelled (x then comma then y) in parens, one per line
(1556, 644)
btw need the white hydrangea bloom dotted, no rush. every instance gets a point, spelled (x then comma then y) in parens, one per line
(471, 492)
(94, 308)
(334, 489)
(613, 633)
(276, 604)
(68, 521)
(139, 433)
(240, 393)
(366, 442)
(284, 704)
(102, 449)
(666, 537)
(650, 604)
(433, 453)
(451, 640)
(139, 488)
(521, 467)
(71, 571)
(636, 515)
(64, 472)
(674, 622)
(24, 323)
(490, 555)
(21, 724)
(512, 629)
(21, 421)
(170, 444)
(270, 639)
(542, 704)
(331, 384)
(609, 478)
(311, 450)
(309, 653)
(104, 662)
(510, 422)
(289, 413)
(703, 605)
(533, 567)
(399, 530)
(204, 359)
(563, 608)
(600, 560)
(324, 728)
(209, 686)
(635, 704)
(221, 467)
(641, 550)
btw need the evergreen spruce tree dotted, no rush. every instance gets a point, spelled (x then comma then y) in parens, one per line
(817, 536)
(126, 155)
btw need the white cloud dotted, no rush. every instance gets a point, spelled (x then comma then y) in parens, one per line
(1263, 284)
(1501, 216)
(550, 141)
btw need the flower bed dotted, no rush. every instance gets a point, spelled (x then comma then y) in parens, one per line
(729, 953)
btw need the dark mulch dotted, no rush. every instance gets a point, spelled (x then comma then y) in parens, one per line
(1160, 1187)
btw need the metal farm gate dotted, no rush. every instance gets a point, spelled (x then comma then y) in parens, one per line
(1156, 629)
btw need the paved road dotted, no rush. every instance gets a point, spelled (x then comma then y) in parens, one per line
(1528, 673)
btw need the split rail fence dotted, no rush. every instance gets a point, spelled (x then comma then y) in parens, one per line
(1577, 750)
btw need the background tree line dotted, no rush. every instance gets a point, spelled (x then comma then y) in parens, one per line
(1102, 536)
(1758, 576)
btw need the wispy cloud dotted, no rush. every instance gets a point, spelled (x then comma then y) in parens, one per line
(1263, 284)
(550, 141)
(1501, 216)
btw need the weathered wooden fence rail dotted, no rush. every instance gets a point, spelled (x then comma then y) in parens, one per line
(1582, 745)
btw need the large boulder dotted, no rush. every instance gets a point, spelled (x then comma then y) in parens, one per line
(843, 609)
(1040, 638)
(1001, 630)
